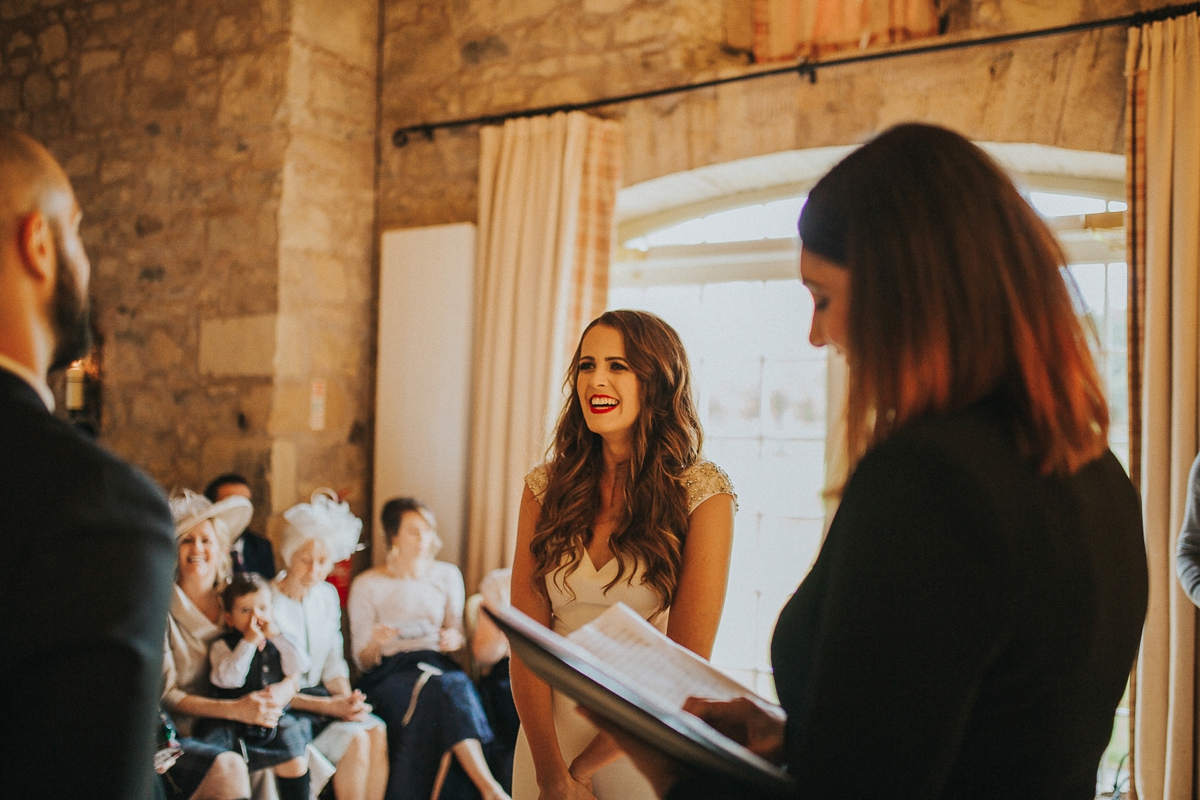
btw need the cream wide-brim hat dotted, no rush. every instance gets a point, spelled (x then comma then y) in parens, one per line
(231, 515)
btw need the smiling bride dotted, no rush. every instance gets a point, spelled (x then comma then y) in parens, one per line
(623, 510)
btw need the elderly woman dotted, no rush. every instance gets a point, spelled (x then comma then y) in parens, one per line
(405, 616)
(319, 534)
(202, 534)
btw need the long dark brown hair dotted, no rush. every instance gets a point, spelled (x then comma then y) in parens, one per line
(666, 441)
(957, 292)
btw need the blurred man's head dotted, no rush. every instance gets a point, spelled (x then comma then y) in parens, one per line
(228, 485)
(44, 270)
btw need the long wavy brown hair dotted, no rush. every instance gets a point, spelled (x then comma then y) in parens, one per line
(666, 441)
(957, 292)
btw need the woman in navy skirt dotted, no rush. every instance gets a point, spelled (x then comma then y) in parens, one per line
(405, 616)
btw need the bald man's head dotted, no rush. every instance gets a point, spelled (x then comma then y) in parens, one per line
(34, 187)
(30, 179)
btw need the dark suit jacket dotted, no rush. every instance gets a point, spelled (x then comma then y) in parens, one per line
(258, 555)
(86, 563)
(968, 627)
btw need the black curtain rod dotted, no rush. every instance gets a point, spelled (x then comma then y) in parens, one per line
(806, 68)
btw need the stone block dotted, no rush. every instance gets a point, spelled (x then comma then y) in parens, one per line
(238, 346)
(37, 91)
(293, 356)
(251, 89)
(185, 44)
(313, 279)
(305, 225)
(254, 404)
(164, 352)
(99, 97)
(230, 34)
(52, 44)
(10, 96)
(98, 59)
(605, 6)
(496, 13)
(230, 233)
(102, 11)
(19, 42)
(81, 164)
(291, 407)
(567, 89)
(642, 25)
(158, 66)
(348, 30)
(17, 66)
(111, 170)
(283, 477)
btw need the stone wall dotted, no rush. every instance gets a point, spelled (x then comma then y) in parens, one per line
(478, 57)
(228, 157)
(223, 153)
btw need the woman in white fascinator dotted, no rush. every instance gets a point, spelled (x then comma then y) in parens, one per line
(319, 534)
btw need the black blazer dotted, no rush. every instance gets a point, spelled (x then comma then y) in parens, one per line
(258, 555)
(968, 627)
(87, 559)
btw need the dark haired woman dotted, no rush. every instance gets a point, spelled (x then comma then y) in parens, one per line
(970, 622)
(405, 616)
(623, 511)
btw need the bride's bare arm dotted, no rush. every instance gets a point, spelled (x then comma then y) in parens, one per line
(703, 576)
(531, 695)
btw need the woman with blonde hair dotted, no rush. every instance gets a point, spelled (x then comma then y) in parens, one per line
(969, 625)
(202, 531)
(624, 510)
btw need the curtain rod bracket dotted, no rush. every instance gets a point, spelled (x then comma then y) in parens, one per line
(400, 137)
(807, 69)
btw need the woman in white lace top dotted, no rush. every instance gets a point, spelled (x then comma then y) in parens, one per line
(624, 510)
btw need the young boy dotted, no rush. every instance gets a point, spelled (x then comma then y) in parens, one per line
(252, 657)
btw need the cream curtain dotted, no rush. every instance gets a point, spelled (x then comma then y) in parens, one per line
(789, 29)
(547, 190)
(1163, 131)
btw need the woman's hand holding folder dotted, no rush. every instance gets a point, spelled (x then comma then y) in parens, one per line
(756, 727)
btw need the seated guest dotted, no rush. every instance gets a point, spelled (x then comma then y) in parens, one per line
(319, 534)
(968, 627)
(216, 773)
(253, 656)
(249, 551)
(193, 624)
(405, 615)
(489, 648)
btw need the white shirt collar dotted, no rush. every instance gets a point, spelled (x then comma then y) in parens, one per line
(23, 372)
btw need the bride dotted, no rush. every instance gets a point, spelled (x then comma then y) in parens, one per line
(625, 511)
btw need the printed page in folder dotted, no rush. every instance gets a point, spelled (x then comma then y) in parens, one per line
(623, 669)
(640, 654)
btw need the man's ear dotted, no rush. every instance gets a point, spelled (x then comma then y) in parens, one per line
(35, 242)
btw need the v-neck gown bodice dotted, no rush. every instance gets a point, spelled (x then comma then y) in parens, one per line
(576, 600)
(580, 597)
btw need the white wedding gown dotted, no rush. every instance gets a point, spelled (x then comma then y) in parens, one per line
(619, 780)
